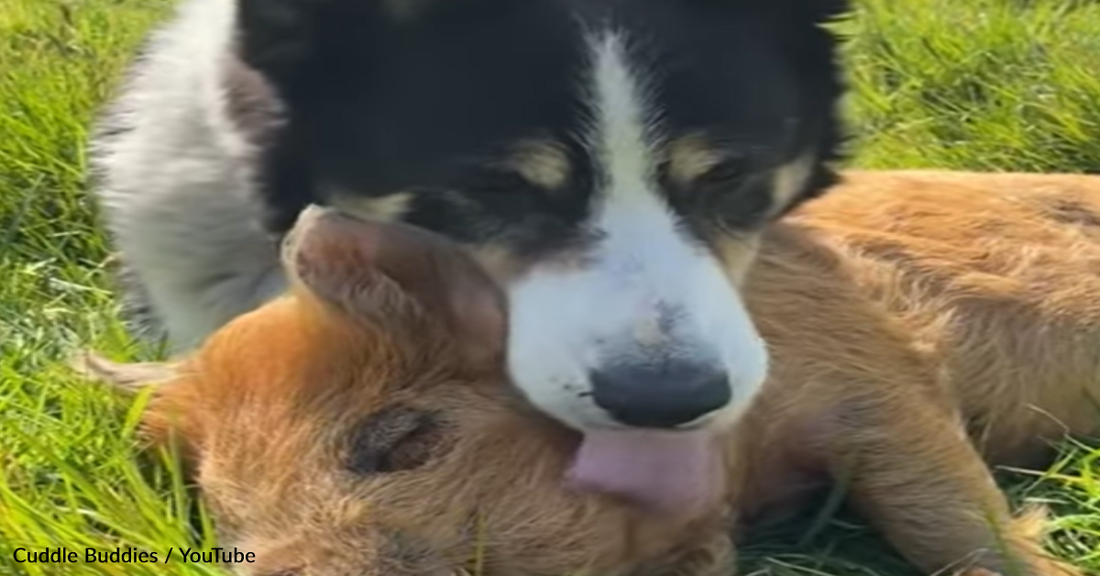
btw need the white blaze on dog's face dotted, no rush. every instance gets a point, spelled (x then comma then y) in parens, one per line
(611, 163)
(647, 328)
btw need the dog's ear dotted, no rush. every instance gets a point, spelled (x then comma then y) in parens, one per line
(277, 37)
(407, 280)
(826, 10)
(818, 9)
(283, 39)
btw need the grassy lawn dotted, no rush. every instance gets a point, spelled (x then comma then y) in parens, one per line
(981, 84)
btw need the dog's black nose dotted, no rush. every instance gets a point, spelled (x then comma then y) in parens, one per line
(660, 395)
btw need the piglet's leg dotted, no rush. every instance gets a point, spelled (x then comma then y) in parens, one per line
(912, 472)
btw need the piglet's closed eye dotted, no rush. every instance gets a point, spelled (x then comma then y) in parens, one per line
(394, 439)
(375, 269)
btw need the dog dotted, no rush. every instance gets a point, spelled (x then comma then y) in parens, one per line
(612, 164)
(924, 325)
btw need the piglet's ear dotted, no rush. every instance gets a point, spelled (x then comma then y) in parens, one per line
(128, 377)
(399, 277)
(169, 411)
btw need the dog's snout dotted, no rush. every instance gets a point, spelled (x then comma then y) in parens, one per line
(660, 395)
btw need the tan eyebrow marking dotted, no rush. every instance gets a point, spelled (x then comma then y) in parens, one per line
(542, 163)
(691, 156)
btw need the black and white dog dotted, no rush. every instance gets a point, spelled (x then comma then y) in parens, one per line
(611, 162)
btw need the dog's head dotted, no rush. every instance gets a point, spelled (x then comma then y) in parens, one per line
(610, 162)
(361, 426)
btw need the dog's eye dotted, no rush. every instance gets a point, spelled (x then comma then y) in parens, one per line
(727, 173)
(499, 182)
(737, 194)
(394, 439)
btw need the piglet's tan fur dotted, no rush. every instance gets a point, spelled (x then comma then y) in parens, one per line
(922, 325)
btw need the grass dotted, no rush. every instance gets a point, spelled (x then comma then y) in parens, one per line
(980, 84)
